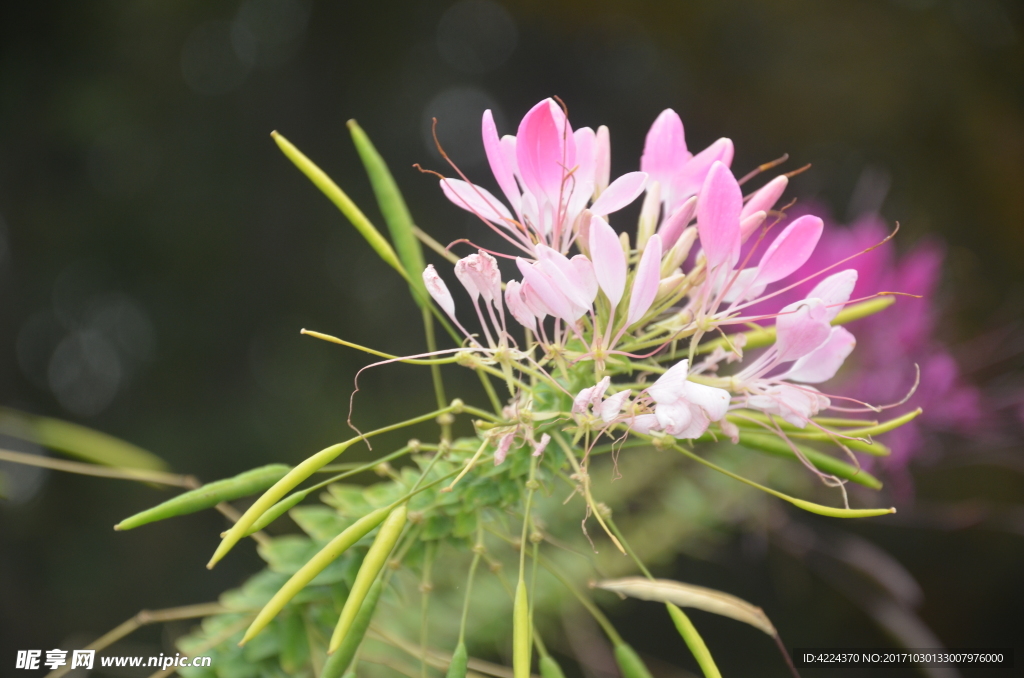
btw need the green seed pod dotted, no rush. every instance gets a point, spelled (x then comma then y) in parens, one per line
(549, 668)
(313, 567)
(457, 669)
(693, 641)
(338, 662)
(521, 633)
(209, 495)
(630, 663)
(374, 561)
(277, 510)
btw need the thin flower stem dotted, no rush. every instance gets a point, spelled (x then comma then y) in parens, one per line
(629, 550)
(141, 619)
(425, 238)
(584, 478)
(382, 354)
(140, 475)
(588, 604)
(489, 389)
(478, 550)
(425, 587)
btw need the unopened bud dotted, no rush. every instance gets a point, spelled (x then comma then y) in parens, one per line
(532, 485)
(749, 224)
(648, 215)
(446, 419)
(383, 469)
(624, 241)
(669, 286)
(457, 406)
(678, 253)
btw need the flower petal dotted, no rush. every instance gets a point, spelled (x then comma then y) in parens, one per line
(438, 290)
(496, 158)
(766, 196)
(671, 385)
(672, 227)
(612, 405)
(545, 150)
(714, 401)
(585, 270)
(688, 181)
(823, 363)
(791, 249)
(517, 306)
(547, 291)
(665, 147)
(718, 217)
(602, 160)
(645, 284)
(622, 192)
(609, 259)
(835, 290)
(800, 328)
(477, 200)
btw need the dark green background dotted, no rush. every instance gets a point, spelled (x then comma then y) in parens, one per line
(118, 177)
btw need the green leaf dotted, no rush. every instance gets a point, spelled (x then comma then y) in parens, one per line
(319, 522)
(347, 499)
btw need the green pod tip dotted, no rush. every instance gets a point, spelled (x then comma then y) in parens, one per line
(549, 668)
(460, 659)
(630, 663)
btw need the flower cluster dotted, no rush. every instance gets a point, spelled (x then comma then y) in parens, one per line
(693, 270)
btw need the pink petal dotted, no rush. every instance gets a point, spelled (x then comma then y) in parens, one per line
(565, 276)
(674, 417)
(791, 249)
(466, 277)
(645, 284)
(750, 223)
(644, 424)
(718, 217)
(534, 304)
(539, 447)
(585, 270)
(477, 200)
(622, 192)
(609, 260)
(612, 405)
(823, 363)
(547, 290)
(835, 290)
(602, 159)
(766, 196)
(672, 227)
(438, 290)
(691, 177)
(518, 307)
(502, 171)
(801, 327)
(664, 148)
(503, 446)
(545, 150)
(671, 385)
(714, 401)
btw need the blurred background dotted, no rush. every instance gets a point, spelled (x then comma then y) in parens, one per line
(158, 256)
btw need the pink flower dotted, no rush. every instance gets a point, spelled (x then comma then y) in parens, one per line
(548, 173)
(683, 408)
(679, 173)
